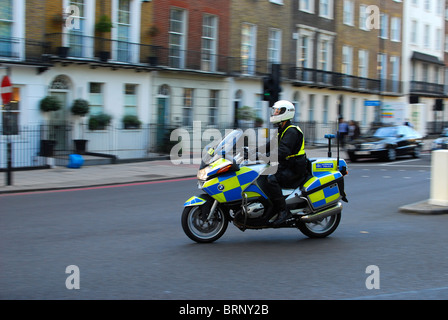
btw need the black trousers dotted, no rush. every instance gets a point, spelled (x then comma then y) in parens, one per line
(286, 177)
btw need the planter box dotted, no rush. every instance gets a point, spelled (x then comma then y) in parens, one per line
(63, 52)
(47, 148)
(80, 146)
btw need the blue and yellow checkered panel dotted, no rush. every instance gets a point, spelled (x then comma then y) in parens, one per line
(326, 195)
(229, 186)
(194, 201)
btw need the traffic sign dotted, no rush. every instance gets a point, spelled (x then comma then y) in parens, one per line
(6, 90)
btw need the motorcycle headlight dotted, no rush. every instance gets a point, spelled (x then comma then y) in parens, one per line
(202, 174)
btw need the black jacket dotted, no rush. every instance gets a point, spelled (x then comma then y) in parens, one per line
(289, 144)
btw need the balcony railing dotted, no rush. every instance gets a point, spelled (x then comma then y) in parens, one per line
(335, 80)
(117, 51)
(422, 87)
(22, 50)
(76, 47)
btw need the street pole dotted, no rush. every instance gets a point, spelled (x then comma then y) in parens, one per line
(6, 97)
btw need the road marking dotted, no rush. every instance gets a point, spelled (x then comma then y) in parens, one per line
(96, 187)
(401, 293)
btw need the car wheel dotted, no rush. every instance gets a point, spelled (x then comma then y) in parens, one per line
(391, 154)
(416, 153)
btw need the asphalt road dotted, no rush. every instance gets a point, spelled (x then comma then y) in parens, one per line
(127, 243)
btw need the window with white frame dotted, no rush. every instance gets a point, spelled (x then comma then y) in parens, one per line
(414, 32)
(325, 52)
(395, 72)
(324, 48)
(213, 107)
(438, 39)
(347, 60)
(384, 27)
(6, 25)
(248, 48)
(436, 74)
(427, 36)
(304, 51)
(209, 36)
(326, 9)
(382, 65)
(363, 15)
(363, 63)
(395, 29)
(96, 98)
(306, 6)
(311, 106)
(440, 7)
(130, 99)
(325, 109)
(348, 14)
(177, 38)
(10, 117)
(353, 109)
(425, 72)
(187, 111)
(427, 5)
(124, 49)
(274, 45)
(76, 35)
(347, 65)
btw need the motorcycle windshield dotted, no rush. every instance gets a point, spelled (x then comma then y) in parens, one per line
(223, 149)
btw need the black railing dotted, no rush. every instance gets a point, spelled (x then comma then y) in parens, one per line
(335, 80)
(422, 87)
(22, 50)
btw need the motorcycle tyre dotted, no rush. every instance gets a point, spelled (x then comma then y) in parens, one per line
(315, 235)
(185, 225)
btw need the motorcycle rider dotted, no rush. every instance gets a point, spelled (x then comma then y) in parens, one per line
(292, 161)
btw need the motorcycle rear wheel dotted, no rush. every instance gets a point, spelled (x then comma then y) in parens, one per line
(198, 229)
(321, 228)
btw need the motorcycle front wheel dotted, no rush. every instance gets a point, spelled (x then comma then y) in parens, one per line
(321, 228)
(199, 229)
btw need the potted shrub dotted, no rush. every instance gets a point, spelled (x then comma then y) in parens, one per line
(131, 122)
(103, 25)
(49, 104)
(80, 107)
(99, 121)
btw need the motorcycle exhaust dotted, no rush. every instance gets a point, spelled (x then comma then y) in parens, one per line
(322, 214)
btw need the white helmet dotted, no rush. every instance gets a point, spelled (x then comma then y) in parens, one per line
(281, 111)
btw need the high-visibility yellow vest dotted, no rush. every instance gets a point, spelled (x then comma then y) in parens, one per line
(302, 148)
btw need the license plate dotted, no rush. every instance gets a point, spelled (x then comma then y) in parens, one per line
(362, 153)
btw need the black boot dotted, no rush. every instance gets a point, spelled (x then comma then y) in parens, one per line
(283, 212)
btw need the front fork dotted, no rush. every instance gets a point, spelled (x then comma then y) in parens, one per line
(212, 210)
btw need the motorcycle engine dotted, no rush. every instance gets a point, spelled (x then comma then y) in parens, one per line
(255, 210)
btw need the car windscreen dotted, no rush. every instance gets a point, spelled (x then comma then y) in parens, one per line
(386, 132)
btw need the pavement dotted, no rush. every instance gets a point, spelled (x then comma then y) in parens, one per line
(61, 177)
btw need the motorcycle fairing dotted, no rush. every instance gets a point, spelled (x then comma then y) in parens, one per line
(230, 186)
(194, 201)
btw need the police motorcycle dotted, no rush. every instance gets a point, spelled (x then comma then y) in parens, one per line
(233, 192)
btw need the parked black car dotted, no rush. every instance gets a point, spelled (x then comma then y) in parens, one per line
(386, 143)
(442, 141)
